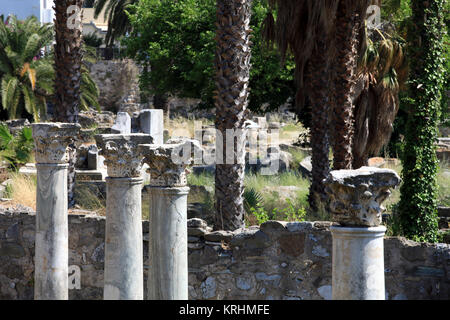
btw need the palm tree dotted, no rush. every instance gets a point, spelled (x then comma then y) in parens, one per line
(232, 90)
(26, 74)
(382, 74)
(305, 28)
(349, 31)
(68, 64)
(118, 23)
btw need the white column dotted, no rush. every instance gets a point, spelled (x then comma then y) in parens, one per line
(358, 254)
(358, 263)
(51, 245)
(124, 273)
(168, 252)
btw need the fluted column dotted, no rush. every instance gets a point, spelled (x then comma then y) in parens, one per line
(52, 141)
(124, 273)
(358, 252)
(168, 254)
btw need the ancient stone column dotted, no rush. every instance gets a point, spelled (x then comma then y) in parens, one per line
(358, 253)
(168, 254)
(52, 141)
(124, 273)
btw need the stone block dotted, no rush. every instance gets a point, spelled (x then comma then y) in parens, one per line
(93, 158)
(122, 124)
(293, 244)
(152, 123)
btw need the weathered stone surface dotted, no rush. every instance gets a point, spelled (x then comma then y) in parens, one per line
(273, 226)
(217, 236)
(167, 163)
(251, 239)
(214, 270)
(293, 244)
(152, 122)
(122, 156)
(208, 288)
(196, 223)
(122, 124)
(11, 249)
(52, 141)
(356, 195)
(358, 263)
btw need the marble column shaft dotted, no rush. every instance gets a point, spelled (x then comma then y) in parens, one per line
(124, 274)
(358, 263)
(51, 244)
(168, 252)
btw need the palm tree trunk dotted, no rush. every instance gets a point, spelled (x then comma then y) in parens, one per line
(231, 100)
(344, 83)
(318, 74)
(68, 59)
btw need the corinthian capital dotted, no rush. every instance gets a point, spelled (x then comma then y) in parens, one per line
(356, 196)
(52, 141)
(167, 163)
(122, 158)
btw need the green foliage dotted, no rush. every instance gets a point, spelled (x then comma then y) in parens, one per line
(174, 41)
(25, 73)
(116, 15)
(92, 40)
(260, 214)
(16, 150)
(26, 70)
(252, 199)
(290, 213)
(418, 201)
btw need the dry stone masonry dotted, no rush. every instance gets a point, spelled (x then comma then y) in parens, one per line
(278, 260)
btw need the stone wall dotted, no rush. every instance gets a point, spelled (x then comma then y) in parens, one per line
(118, 83)
(275, 261)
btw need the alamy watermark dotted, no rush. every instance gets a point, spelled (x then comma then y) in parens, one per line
(74, 17)
(256, 146)
(74, 277)
(373, 17)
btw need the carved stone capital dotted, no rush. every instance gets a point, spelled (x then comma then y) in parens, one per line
(167, 163)
(122, 158)
(52, 141)
(356, 196)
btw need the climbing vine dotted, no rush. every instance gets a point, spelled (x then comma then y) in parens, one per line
(418, 202)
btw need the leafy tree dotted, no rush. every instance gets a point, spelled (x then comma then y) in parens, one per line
(25, 73)
(418, 201)
(174, 42)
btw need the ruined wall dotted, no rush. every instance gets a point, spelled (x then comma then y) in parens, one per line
(276, 261)
(118, 83)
